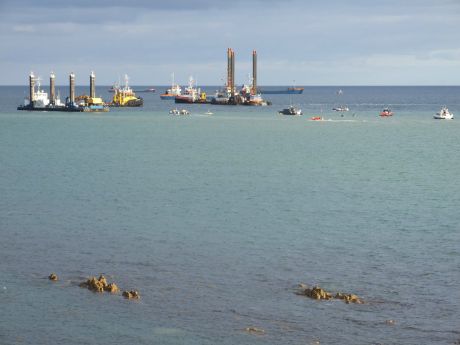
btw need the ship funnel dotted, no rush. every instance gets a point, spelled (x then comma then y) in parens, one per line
(92, 88)
(31, 88)
(52, 88)
(254, 72)
(72, 88)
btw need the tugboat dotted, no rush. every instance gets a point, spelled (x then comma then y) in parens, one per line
(444, 114)
(386, 112)
(174, 91)
(291, 110)
(125, 96)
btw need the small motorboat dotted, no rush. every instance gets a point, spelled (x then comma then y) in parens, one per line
(291, 110)
(176, 111)
(209, 112)
(342, 108)
(444, 114)
(386, 112)
(150, 89)
(316, 118)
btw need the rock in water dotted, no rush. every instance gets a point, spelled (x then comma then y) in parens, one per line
(321, 294)
(53, 277)
(254, 330)
(102, 280)
(348, 298)
(127, 294)
(133, 294)
(95, 285)
(315, 293)
(112, 288)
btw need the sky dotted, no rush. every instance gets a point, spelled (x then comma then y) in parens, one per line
(301, 42)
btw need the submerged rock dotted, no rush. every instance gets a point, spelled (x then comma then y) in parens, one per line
(53, 277)
(348, 298)
(254, 330)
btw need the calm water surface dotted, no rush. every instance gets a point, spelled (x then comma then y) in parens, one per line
(216, 219)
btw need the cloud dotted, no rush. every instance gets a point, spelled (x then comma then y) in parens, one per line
(303, 40)
(24, 28)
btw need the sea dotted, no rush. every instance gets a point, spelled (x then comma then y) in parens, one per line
(216, 219)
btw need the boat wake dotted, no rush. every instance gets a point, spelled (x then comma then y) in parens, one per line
(335, 120)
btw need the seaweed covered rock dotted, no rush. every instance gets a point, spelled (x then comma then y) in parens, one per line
(96, 284)
(53, 277)
(103, 281)
(101, 285)
(321, 294)
(315, 292)
(112, 288)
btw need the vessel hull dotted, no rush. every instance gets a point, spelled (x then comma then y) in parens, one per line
(282, 92)
(63, 108)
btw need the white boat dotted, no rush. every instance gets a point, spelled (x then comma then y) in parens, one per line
(444, 114)
(291, 110)
(341, 108)
(209, 112)
(174, 91)
(176, 111)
